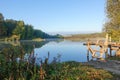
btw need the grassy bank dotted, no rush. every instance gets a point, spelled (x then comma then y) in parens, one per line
(79, 37)
(12, 69)
(38, 39)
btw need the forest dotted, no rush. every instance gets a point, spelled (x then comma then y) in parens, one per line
(10, 27)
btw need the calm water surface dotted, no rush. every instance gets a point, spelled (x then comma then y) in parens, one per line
(67, 50)
(63, 49)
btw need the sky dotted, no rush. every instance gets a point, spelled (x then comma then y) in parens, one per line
(57, 16)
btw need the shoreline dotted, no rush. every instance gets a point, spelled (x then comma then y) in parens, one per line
(109, 65)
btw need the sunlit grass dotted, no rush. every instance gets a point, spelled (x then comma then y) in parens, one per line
(12, 69)
(38, 39)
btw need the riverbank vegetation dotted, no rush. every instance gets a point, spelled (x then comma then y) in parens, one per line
(12, 29)
(79, 37)
(14, 66)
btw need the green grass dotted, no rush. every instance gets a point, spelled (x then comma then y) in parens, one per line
(10, 69)
(38, 39)
(114, 58)
(77, 71)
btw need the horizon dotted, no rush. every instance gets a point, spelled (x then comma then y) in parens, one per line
(71, 33)
(58, 16)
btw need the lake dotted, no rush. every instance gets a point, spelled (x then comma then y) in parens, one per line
(62, 50)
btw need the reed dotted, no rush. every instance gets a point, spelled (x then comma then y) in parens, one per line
(13, 69)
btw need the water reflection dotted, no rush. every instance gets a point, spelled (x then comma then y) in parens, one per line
(30, 46)
(63, 49)
(26, 45)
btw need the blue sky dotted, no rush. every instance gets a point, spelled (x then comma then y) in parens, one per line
(57, 15)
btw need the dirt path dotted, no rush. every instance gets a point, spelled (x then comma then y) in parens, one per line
(110, 65)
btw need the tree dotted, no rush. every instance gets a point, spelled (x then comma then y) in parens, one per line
(112, 25)
(1, 17)
(29, 32)
(19, 30)
(2, 26)
(11, 25)
(9, 28)
(3, 29)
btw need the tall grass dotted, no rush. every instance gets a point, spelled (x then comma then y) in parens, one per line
(13, 66)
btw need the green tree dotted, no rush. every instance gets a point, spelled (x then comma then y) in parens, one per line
(29, 32)
(11, 25)
(3, 29)
(19, 30)
(112, 25)
(41, 34)
(1, 17)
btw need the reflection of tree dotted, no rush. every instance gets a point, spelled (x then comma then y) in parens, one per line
(11, 53)
(4, 45)
(58, 40)
(28, 46)
(55, 40)
(13, 43)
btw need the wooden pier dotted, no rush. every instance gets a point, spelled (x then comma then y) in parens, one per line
(113, 44)
(104, 46)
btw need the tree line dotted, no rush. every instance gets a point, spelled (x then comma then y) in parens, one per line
(11, 27)
(112, 25)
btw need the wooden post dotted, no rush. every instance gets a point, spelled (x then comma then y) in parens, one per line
(106, 40)
(106, 45)
(106, 53)
(118, 52)
(110, 39)
(88, 55)
(110, 50)
(119, 40)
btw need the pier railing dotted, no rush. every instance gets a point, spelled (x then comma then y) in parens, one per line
(104, 46)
